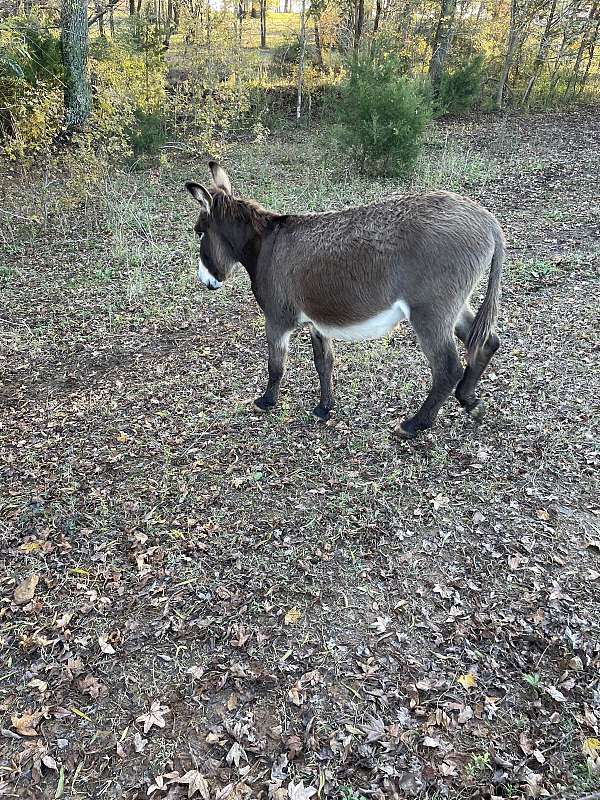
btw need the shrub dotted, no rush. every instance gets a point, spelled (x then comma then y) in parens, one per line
(30, 85)
(460, 89)
(146, 134)
(382, 116)
(287, 54)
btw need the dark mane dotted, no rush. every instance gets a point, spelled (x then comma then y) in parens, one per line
(237, 209)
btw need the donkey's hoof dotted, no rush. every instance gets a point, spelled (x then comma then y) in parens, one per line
(262, 406)
(477, 412)
(322, 414)
(404, 431)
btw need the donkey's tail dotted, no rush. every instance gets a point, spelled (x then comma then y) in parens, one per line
(486, 317)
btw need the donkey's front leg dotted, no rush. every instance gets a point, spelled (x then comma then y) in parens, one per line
(278, 342)
(323, 354)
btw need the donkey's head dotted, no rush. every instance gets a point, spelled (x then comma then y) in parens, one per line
(217, 258)
(230, 229)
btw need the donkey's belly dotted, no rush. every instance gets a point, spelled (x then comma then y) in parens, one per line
(372, 328)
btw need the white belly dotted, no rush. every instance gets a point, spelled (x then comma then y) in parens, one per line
(372, 328)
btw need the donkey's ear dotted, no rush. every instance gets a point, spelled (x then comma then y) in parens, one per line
(200, 195)
(220, 177)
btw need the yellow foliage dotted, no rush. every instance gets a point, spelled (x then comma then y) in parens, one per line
(467, 680)
(34, 116)
(591, 747)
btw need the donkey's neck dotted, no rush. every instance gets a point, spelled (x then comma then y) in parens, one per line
(258, 249)
(250, 255)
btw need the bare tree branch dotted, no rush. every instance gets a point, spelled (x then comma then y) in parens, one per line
(95, 17)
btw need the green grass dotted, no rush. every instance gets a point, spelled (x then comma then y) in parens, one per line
(531, 269)
(7, 274)
(447, 163)
(479, 763)
(280, 28)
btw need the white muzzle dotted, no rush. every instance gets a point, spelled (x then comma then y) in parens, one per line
(206, 278)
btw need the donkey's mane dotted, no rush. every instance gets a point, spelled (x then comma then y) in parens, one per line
(237, 209)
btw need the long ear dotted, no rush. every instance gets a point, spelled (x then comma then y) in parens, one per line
(200, 195)
(220, 177)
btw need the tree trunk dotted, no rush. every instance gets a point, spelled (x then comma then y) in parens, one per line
(286, 6)
(100, 15)
(377, 16)
(359, 21)
(74, 45)
(169, 25)
(440, 45)
(111, 20)
(131, 8)
(557, 65)
(318, 43)
(591, 50)
(301, 58)
(585, 41)
(510, 52)
(254, 10)
(541, 53)
(404, 17)
(263, 23)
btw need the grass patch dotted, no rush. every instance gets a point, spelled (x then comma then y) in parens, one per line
(449, 164)
(531, 269)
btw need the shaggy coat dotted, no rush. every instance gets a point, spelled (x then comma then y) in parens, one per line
(355, 274)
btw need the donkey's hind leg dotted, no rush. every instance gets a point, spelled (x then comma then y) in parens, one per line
(437, 342)
(465, 391)
(323, 355)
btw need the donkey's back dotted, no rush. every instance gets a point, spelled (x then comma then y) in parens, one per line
(404, 246)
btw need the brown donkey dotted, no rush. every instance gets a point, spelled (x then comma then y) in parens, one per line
(355, 274)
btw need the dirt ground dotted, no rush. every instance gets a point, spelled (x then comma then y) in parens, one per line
(231, 605)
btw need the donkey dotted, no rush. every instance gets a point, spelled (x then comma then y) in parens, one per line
(355, 274)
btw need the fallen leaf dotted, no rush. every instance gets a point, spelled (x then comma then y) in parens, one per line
(295, 697)
(292, 616)
(139, 743)
(196, 783)
(105, 646)
(381, 624)
(525, 744)
(235, 753)
(30, 547)
(154, 717)
(591, 747)
(25, 725)
(196, 672)
(467, 680)
(539, 756)
(161, 781)
(298, 791)
(555, 694)
(25, 591)
(49, 762)
(374, 727)
(428, 741)
(92, 686)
